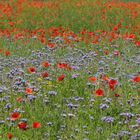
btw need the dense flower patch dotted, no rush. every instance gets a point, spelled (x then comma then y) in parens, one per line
(86, 86)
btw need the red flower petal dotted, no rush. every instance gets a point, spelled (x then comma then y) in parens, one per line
(92, 79)
(136, 79)
(32, 70)
(36, 125)
(99, 92)
(61, 78)
(23, 125)
(15, 116)
(10, 135)
(29, 91)
(112, 84)
(46, 64)
(117, 95)
(45, 74)
(7, 53)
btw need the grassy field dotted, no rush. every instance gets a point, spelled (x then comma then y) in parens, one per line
(70, 70)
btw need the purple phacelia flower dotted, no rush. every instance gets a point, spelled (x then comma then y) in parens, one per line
(2, 121)
(138, 121)
(75, 68)
(108, 119)
(135, 137)
(104, 106)
(74, 76)
(122, 133)
(31, 97)
(134, 127)
(127, 114)
(8, 106)
(107, 100)
(53, 93)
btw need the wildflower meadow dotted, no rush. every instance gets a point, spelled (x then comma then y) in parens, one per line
(70, 69)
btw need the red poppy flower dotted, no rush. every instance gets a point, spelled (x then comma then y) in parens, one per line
(29, 91)
(112, 84)
(36, 125)
(92, 79)
(10, 135)
(115, 28)
(51, 45)
(136, 79)
(61, 78)
(7, 53)
(22, 125)
(99, 92)
(15, 116)
(62, 65)
(117, 95)
(32, 70)
(137, 43)
(132, 36)
(1, 50)
(43, 40)
(46, 64)
(106, 52)
(45, 74)
(106, 78)
(20, 99)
